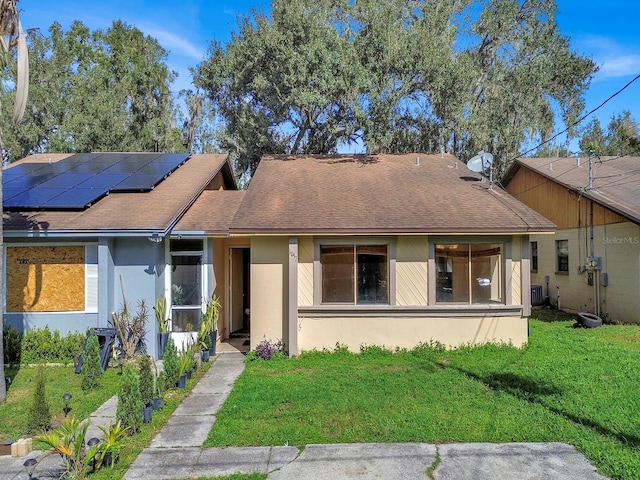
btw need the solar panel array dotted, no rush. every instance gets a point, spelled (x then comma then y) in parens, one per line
(78, 181)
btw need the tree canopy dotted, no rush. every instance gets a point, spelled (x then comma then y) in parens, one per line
(96, 90)
(622, 136)
(393, 76)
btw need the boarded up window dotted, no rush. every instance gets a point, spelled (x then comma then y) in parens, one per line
(45, 279)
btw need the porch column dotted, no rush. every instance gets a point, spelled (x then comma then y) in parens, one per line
(525, 265)
(293, 296)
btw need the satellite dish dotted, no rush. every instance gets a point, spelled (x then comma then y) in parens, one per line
(481, 163)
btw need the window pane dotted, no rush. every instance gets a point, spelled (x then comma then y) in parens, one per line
(186, 283)
(486, 268)
(185, 320)
(534, 255)
(452, 267)
(337, 274)
(562, 250)
(373, 274)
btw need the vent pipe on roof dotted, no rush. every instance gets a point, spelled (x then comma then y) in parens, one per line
(417, 160)
(551, 166)
(578, 162)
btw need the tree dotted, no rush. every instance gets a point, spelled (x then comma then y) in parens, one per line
(96, 91)
(129, 409)
(91, 370)
(622, 136)
(12, 37)
(199, 132)
(394, 76)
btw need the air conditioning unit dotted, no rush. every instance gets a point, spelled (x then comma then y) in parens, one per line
(536, 295)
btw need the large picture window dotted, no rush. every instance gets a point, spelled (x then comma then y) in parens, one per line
(469, 273)
(186, 284)
(355, 274)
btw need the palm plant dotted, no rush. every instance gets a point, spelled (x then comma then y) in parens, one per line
(11, 37)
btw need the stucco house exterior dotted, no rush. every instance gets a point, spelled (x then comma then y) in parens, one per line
(389, 250)
(68, 259)
(592, 262)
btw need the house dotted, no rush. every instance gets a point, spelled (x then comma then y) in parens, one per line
(592, 262)
(389, 250)
(79, 230)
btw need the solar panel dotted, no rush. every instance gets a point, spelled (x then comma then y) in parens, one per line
(79, 180)
(33, 198)
(80, 197)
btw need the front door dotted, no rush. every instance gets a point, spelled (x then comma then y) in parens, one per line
(239, 290)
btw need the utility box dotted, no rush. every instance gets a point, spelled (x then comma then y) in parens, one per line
(594, 263)
(536, 295)
(604, 279)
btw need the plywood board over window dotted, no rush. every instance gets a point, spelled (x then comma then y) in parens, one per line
(45, 278)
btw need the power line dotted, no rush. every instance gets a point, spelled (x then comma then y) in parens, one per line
(579, 119)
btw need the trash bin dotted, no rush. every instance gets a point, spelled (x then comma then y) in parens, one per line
(106, 339)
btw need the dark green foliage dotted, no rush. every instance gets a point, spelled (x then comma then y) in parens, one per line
(394, 76)
(622, 136)
(12, 345)
(129, 410)
(91, 370)
(40, 345)
(171, 364)
(146, 379)
(39, 415)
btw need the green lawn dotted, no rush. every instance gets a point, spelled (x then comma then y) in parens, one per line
(14, 412)
(569, 385)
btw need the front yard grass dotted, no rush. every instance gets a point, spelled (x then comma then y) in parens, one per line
(570, 385)
(14, 411)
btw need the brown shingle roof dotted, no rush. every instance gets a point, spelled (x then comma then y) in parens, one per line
(156, 210)
(212, 213)
(377, 194)
(616, 180)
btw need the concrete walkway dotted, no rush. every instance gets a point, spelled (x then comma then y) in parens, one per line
(176, 452)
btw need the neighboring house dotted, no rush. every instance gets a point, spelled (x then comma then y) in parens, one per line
(79, 227)
(592, 262)
(389, 250)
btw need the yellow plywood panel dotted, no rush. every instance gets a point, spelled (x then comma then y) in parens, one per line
(45, 279)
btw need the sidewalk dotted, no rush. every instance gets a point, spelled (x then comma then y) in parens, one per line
(176, 452)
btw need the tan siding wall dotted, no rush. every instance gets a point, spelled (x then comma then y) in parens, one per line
(516, 271)
(412, 256)
(269, 288)
(555, 202)
(305, 271)
(619, 247)
(400, 332)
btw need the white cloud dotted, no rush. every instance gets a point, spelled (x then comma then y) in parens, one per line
(614, 58)
(177, 45)
(620, 66)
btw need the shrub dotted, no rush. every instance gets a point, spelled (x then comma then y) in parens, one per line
(266, 350)
(39, 415)
(40, 345)
(146, 379)
(130, 327)
(129, 410)
(171, 364)
(91, 370)
(11, 345)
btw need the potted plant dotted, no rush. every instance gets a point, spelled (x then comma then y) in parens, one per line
(185, 367)
(159, 387)
(211, 314)
(110, 446)
(204, 337)
(160, 309)
(146, 388)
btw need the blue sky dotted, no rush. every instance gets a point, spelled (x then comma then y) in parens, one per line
(606, 31)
